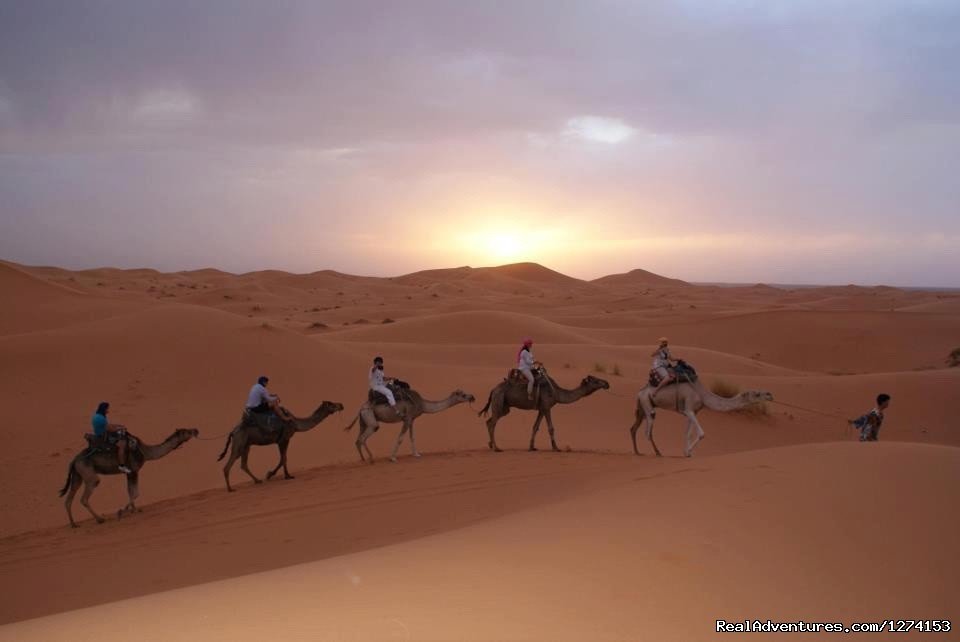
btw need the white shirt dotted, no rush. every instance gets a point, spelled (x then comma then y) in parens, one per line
(376, 378)
(258, 394)
(662, 358)
(526, 360)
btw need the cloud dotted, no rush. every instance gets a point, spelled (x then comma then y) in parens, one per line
(598, 129)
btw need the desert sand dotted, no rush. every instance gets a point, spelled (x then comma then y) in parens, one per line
(780, 515)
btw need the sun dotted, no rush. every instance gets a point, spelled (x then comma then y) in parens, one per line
(503, 246)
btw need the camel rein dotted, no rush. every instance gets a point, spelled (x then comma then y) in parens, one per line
(214, 438)
(816, 412)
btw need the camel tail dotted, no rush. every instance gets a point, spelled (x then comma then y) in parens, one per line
(487, 407)
(66, 486)
(347, 429)
(226, 445)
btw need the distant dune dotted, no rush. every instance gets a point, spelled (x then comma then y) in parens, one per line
(638, 277)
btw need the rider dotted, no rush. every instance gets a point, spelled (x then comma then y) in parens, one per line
(662, 363)
(526, 364)
(102, 427)
(260, 401)
(379, 384)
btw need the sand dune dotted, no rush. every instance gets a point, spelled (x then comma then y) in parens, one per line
(859, 342)
(33, 304)
(467, 328)
(649, 541)
(661, 554)
(638, 277)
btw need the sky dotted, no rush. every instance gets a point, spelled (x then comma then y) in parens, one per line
(711, 140)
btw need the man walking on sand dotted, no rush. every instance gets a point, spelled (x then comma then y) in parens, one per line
(869, 424)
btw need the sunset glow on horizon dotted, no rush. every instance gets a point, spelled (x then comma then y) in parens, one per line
(787, 143)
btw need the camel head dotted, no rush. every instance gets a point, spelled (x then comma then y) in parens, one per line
(591, 384)
(183, 435)
(459, 396)
(327, 408)
(756, 396)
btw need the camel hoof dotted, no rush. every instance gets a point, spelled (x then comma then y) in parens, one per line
(230, 490)
(119, 513)
(289, 477)
(74, 526)
(532, 449)
(100, 520)
(393, 459)
(418, 455)
(498, 450)
(257, 481)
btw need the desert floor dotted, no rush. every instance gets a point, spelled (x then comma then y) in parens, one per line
(779, 515)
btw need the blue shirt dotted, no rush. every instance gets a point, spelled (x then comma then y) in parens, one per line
(99, 425)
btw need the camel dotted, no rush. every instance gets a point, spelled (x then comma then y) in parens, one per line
(371, 415)
(86, 470)
(247, 433)
(508, 394)
(687, 399)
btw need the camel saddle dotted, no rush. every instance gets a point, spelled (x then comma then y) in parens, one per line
(266, 420)
(517, 377)
(107, 443)
(683, 372)
(400, 390)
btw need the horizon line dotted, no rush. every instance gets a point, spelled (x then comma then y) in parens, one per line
(697, 282)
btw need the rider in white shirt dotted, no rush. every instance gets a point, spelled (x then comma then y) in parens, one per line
(526, 363)
(662, 362)
(379, 383)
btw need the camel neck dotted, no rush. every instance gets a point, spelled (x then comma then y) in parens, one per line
(718, 403)
(431, 407)
(562, 395)
(303, 424)
(156, 451)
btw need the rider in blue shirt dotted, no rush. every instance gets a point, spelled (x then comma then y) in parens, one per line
(101, 427)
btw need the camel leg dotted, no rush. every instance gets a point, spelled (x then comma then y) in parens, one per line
(359, 441)
(359, 444)
(365, 433)
(89, 484)
(226, 469)
(553, 432)
(75, 481)
(133, 491)
(413, 443)
(638, 420)
(396, 446)
(491, 427)
(243, 465)
(286, 473)
(650, 418)
(694, 432)
(282, 447)
(536, 428)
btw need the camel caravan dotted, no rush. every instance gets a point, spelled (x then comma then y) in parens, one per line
(673, 385)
